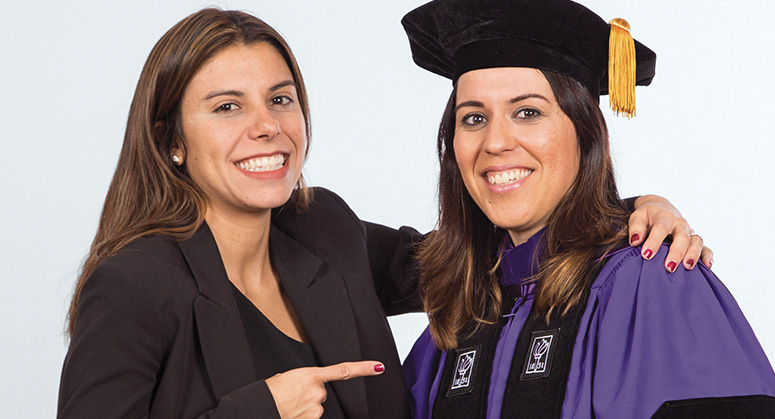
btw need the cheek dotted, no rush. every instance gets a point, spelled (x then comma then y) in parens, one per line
(296, 129)
(565, 151)
(567, 166)
(465, 154)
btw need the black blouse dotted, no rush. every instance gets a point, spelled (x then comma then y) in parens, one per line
(274, 352)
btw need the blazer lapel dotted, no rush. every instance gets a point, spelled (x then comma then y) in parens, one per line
(320, 299)
(221, 334)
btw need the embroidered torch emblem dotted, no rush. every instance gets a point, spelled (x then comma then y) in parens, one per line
(540, 350)
(463, 370)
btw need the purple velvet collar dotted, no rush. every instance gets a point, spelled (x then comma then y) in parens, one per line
(520, 263)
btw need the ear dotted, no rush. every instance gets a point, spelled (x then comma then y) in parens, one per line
(178, 153)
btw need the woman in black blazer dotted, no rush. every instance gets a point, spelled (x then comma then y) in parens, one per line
(159, 333)
(215, 286)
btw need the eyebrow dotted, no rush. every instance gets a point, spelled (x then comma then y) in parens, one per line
(239, 93)
(477, 104)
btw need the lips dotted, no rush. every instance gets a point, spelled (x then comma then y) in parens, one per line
(263, 163)
(507, 177)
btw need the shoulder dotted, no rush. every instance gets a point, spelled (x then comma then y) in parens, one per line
(639, 291)
(146, 257)
(626, 265)
(665, 336)
(144, 253)
(630, 282)
(327, 203)
(150, 270)
(327, 215)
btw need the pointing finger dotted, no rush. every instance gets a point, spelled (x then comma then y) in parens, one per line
(348, 370)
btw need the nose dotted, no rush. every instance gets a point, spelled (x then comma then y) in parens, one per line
(264, 125)
(500, 137)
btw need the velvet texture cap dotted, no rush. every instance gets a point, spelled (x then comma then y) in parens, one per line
(452, 37)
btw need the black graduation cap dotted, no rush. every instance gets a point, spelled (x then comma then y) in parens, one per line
(452, 37)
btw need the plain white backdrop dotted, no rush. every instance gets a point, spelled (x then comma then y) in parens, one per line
(703, 138)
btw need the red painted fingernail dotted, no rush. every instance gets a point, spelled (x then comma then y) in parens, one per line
(379, 368)
(635, 237)
(710, 264)
(671, 266)
(647, 253)
(690, 262)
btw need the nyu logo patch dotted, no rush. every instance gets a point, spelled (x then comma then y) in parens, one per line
(538, 361)
(464, 370)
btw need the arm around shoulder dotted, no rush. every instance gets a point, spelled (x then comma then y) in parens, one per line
(391, 255)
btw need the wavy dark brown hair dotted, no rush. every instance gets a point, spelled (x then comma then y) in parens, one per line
(459, 261)
(149, 194)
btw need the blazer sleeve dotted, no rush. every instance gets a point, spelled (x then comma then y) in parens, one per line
(117, 353)
(394, 267)
(391, 255)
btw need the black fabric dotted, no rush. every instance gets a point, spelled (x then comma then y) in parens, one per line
(451, 37)
(629, 203)
(748, 407)
(527, 397)
(542, 397)
(471, 404)
(159, 335)
(275, 352)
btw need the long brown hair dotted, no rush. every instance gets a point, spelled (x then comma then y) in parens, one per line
(149, 194)
(459, 261)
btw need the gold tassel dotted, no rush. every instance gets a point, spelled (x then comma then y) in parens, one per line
(621, 68)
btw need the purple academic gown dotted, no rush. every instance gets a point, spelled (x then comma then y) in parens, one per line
(646, 337)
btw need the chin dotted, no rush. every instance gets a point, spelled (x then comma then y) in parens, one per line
(510, 220)
(269, 199)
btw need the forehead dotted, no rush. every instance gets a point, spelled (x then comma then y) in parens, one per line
(240, 63)
(502, 82)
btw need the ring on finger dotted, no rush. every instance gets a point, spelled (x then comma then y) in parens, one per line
(698, 236)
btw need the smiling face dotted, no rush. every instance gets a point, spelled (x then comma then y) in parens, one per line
(516, 150)
(243, 129)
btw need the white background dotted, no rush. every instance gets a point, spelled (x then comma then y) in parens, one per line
(703, 138)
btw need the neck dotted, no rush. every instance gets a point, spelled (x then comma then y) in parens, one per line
(519, 236)
(243, 241)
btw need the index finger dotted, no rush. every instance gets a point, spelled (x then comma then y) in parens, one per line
(348, 370)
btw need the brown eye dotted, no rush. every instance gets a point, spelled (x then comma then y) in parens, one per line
(473, 119)
(281, 100)
(226, 107)
(528, 113)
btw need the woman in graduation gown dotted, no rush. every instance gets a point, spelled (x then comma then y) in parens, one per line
(538, 306)
(216, 286)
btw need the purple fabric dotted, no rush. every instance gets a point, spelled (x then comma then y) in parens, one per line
(422, 372)
(520, 262)
(517, 265)
(648, 336)
(504, 353)
(640, 343)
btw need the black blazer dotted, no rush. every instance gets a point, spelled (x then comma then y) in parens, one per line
(158, 333)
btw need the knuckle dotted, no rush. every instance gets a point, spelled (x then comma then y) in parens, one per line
(316, 411)
(343, 372)
(319, 394)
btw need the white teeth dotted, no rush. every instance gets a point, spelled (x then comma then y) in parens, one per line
(510, 176)
(263, 164)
